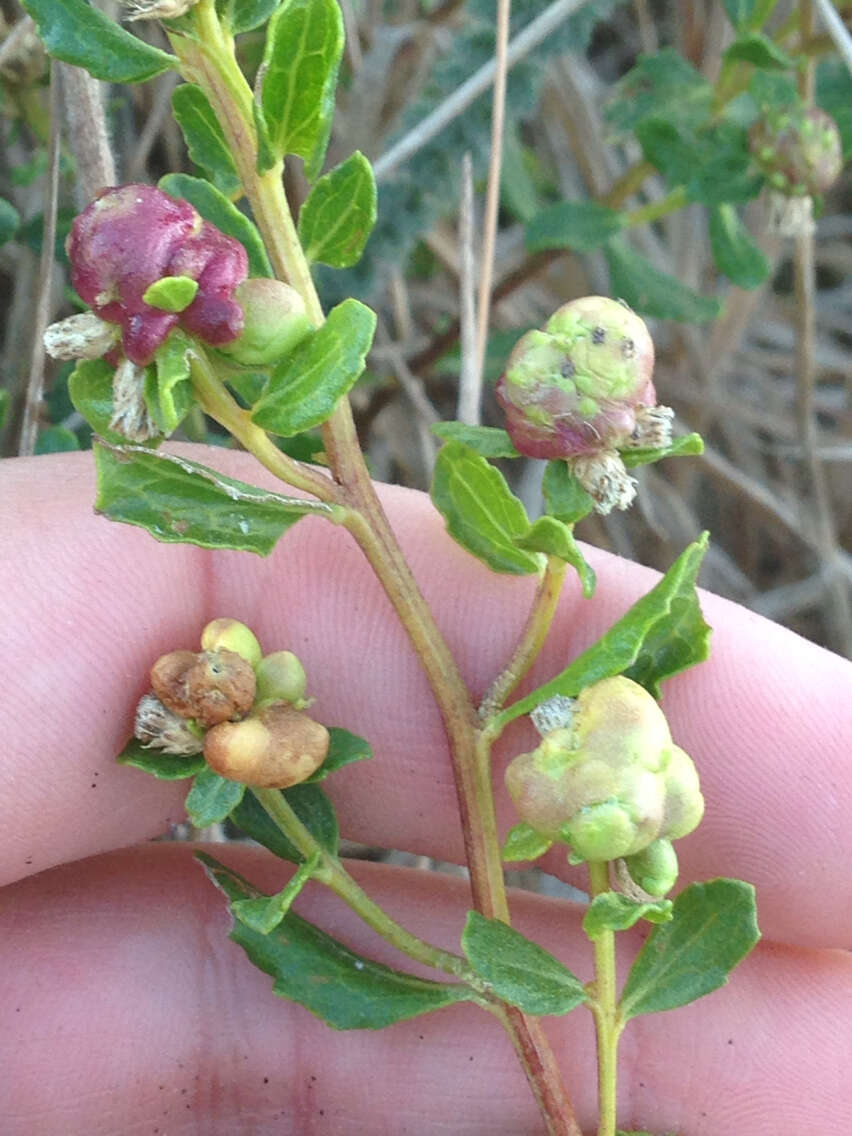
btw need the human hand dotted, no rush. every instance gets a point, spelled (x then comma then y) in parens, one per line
(124, 1009)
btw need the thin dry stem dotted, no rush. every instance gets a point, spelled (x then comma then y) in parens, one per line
(470, 386)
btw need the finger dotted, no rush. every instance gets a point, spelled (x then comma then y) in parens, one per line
(92, 604)
(126, 1009)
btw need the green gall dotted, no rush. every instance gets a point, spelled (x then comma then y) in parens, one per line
(654, 869)
(600, 832)
(171, 293)
(684, 804)
(281, 678)
(231, 635)
(798, 149)
(275, 322)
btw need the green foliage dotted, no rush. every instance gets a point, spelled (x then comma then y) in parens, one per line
(834, 94)
(651, 292)
(488, 441)
(165, 766)
(216, 208)
(76, 32)
(524, 843)
(263, 913)
(90, 390)
(663, 84)
(171, 293)
(10, 221)
(304, 387)
(481, 512)
(211, 798)
(713, 927)
(339, 213)
(245, 15)
(318, 972)
(712, 164)
(564, 496)
(740, 13)
(687, 445)
(734, 252)
(168, 391)
(759, 50)
(180, 501)
(4, 407)
(204, 137)
(56, 440)
(343, 749)
(612, 911)
(555, 538)
(578, 225)
(519, 971)
(311, 806)
(304, 43)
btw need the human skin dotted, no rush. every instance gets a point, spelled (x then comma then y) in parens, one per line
(124, 1009)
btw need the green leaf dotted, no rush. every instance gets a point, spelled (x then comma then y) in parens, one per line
(5, 399)
(212, 798)
(304, 388)
(204, 137)
(654, 293)
(76, 32)
(713, 927)
(56, 440)
(481, 512)
(564, 496)
(216, 208)
(165, 766)
(519, 971)
(263, 913)
(555, 538)
(180, 501)
(740, 13)
(171, 293)
(10, 221)
(635, 641)
(672, 150)
(311, 806)
(344, 749)
(734, 252)
(662, 84)
(578, 225)
(759, 50)
(266, 158)
(304, 43)
(90, 391)
(834, 94)
(339, 213)
(712, 165)
(168, 391)
(245, 15)
(524, 843)
(612, 911)
(686, 446)
(488, 441)
(339, 986)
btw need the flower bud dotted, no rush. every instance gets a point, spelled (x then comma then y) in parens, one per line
(274, 322)
(210, 687)
(157, 727)
(273, 749)
(654, 869)
(281, 678)
(799, 149)
(231, 635)
(684, 804)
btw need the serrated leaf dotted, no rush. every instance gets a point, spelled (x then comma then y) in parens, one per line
(713, 928)
(165, 766)
(211, 798)
(734, 251)
(344, 989)
(245, 15)
(578, 225)
(311, 806)
(180, 501)
(612, 911)
(661, 84)
(168, 391)
(489, 441)
(759, 50)
(76, 32)
(524, 843)
(204, 137)
(216, 208)
(519, 971)
(481, 512)
(565, 497)
(304, 388)
(654, 293)
(555, 538)
(339, 213)
(304, 43)
(10, 220)
(635, 641)
(263, 913)
(686, 446)
(343, 749)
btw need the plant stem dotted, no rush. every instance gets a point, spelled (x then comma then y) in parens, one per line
(654, 210)
(607, 1026)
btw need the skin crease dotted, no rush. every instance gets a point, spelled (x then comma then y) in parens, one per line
(117, 976)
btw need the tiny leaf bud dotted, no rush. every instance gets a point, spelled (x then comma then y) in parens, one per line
(231, 635)
(273, 749)
(274, 322)
(281, 678)
(172, 293)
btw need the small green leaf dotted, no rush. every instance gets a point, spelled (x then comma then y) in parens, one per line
(304, 43)
(564, 496)
(165, 766)
(638, 644)
(488, 441)
(216, 208)
(311, 968)
(686, 446)
(339, 213)
(180, 501)
(311, 806)
(76, 32)
(759, 50)
(524, 843)
(652, 292)
(245, 15)
(734, 252)
(168, 391)
(519, 971)
(663, 84)
(305, 387)
(670, 148)
(10, 221)
(263, 913)
(212, 798)
(578, 225)
(204, 137)
(344, 749)
(56, 440)
(612, 911)
(713, 927)
(171, 293)
(481, 512)
(555, 538)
